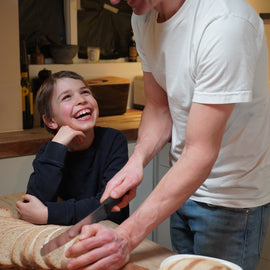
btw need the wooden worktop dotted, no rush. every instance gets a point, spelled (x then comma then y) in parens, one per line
(148, 254)
(27, 142)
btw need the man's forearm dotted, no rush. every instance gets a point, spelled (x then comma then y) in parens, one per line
(172, 191)
(154, 132)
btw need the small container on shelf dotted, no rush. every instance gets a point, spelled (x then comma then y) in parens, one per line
(132, 50)
(37, 57)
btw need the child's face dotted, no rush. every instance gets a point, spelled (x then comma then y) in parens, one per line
(73, 105)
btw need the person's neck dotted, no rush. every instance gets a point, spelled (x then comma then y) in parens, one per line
(87, 142)
(167, 9)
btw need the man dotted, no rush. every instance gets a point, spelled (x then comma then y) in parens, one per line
(206, 87)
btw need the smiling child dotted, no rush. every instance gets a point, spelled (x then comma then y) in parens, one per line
(71, 171)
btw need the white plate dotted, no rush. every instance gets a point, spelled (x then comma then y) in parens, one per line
(182, 256)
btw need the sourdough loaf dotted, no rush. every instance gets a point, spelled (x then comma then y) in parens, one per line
(21, 242)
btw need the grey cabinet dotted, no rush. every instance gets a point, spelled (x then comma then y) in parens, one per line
(152, 174)
(145, 187)
(161, 234)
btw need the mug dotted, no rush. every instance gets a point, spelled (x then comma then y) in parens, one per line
(93, 54)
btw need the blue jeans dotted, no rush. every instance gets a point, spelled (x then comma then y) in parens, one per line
(231, 234)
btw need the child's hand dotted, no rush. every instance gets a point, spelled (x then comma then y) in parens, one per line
(66, 135)
(31, 209)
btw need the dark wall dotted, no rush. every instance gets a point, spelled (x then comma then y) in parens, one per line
(109, 29)
(42, 22)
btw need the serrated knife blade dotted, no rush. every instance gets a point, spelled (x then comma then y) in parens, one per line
(97, 215)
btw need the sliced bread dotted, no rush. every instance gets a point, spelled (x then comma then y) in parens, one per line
(11, 220)
(37, 260)
(7, 241)
(53, 259)
(18, 247)
(62, 253)
(27, 242)
(30, 244)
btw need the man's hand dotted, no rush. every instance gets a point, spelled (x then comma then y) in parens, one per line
(125, 181)
(31, 209)
(99, 247)
(114, 2)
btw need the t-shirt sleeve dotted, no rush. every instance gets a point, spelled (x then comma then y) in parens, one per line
(226, 62)
(138, 34)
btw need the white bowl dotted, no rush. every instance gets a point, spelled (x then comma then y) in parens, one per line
(175, 258)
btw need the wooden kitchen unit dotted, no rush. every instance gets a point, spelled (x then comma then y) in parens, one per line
(27, 142)
(148, 254)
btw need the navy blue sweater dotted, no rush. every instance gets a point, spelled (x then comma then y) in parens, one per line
(78, 178)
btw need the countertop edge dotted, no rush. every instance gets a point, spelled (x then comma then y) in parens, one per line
(27, 142)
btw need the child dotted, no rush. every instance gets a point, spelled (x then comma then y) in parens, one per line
(77, 163)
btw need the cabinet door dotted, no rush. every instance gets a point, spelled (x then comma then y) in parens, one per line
(161, 234)
(15, 173)
(152, 174)
(145, 187)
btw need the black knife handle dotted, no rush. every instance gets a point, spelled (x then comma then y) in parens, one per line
(109, 203)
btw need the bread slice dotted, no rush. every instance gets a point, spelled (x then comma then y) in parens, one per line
(6, 243)
(31, 244)
(53, 259)
(5, 212)
(57, 258)
(18, 247)
(64, 260)
(37, 260)
(5, 227)
(27, 245)
(11, 220)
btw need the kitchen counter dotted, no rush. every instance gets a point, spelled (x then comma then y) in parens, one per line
(27, 142)
(148, 254)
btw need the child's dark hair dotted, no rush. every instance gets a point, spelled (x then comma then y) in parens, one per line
(44, 95)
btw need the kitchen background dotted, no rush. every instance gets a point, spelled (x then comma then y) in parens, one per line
(15, 171)
(10, 93)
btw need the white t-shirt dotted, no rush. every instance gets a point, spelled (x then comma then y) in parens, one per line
(215, 52)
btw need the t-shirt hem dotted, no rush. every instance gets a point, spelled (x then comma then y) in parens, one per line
(232, 203)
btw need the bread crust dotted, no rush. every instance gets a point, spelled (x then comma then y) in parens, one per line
(6, 241)
(195, 263)
(17, 248)
(21, 242)
(5, 212)
(37, 259)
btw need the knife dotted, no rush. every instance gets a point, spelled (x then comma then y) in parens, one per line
(97, 215)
